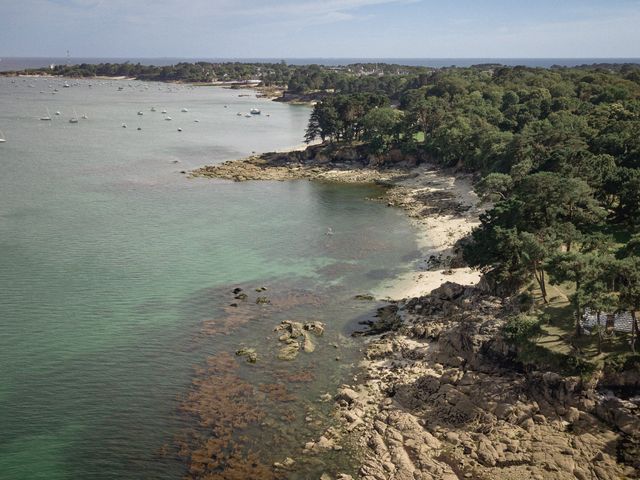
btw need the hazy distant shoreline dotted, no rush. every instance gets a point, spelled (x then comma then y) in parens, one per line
(19, 63)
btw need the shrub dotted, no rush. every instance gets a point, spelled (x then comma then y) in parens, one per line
(522, 328)
(525, 302)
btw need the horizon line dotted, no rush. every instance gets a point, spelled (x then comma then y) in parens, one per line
(326, 58)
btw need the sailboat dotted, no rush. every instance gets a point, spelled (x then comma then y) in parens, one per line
(2, 139)
(48, 117)
(74, 119)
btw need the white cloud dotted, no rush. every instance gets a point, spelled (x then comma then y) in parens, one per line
(245, 14)
(217, 8)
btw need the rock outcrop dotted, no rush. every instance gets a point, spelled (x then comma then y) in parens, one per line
(296, 336)
(442, 400)
(350, 164)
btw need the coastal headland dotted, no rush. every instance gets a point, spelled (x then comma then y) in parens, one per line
(442, 393)
(463, 375)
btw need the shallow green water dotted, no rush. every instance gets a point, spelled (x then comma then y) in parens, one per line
(111, 260)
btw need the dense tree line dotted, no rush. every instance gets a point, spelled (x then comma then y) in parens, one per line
(558, 151)
(184, 72)
(299, 79)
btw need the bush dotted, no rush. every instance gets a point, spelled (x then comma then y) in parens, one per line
(579, 366)
(525, 302)
(522, 328)
(541, 358)
(622, 362)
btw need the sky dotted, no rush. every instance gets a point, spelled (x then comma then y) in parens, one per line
(317, 28)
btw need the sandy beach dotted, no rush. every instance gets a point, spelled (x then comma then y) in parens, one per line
(445, 209)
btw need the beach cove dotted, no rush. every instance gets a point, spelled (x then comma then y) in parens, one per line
(441, 204)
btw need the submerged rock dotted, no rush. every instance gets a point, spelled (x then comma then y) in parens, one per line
(225, 403)
(297, 336)
(286, 464)
(364, 297)
(290, 329)
(316, 328)
(289, 351)
(307, 344)
(249, 353)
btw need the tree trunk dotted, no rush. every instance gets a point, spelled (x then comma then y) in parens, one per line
(539, 276)
(577, 302)
(599, 333)
(634, 331)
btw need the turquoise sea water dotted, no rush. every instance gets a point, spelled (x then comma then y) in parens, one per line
(116, 271)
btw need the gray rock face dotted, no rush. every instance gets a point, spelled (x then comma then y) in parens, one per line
(347, 394)
(307, 344)
(438, 403)
(386, 320)
(289, 351)
(317, 328)
(297, 336)
(249, 353)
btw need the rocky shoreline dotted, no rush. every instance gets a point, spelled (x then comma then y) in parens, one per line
(442, 398)
(440, 395)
